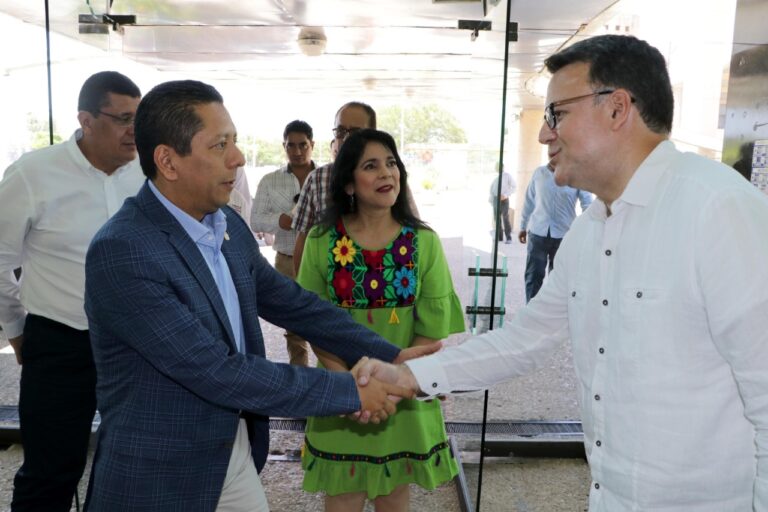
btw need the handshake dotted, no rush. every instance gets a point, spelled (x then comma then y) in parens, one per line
(382, 385)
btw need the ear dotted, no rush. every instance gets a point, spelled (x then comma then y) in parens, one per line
(86, 121)
(312, 144)
(349, 188)
(165, 158)
(620, 104)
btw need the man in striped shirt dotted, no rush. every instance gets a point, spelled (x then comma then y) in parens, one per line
(275, 200)
(350, 117)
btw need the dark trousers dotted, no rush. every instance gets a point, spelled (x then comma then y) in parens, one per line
(504, 213)
(541, 255)
(57, 401)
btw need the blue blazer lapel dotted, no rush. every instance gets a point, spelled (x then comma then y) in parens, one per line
(235, 251)
(189, 254)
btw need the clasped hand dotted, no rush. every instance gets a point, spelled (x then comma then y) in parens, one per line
(381, 386)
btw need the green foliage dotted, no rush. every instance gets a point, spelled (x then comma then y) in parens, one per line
(39, 136)
(261, 152)
(423, 124)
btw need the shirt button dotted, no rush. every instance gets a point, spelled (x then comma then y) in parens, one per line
(573, 294)
(597, 397)
(639, 295)
(601, 350)
(597, 485)
(598, 443)
(605, 302)
(608, 252)
(434, 384)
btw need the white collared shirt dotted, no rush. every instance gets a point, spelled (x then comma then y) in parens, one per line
(52, 202)
(666, 306)
(274, 197)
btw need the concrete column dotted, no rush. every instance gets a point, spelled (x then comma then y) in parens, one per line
(529, 156)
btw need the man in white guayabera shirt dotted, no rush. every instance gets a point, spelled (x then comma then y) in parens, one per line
(661, 287)
(52, 202)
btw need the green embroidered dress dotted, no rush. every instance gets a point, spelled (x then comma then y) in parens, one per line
(400, 291)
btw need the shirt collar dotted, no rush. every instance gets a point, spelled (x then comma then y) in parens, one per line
(288, 170)
(643, 184)
(214, 223)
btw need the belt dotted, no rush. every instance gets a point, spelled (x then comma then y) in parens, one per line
(283, 254)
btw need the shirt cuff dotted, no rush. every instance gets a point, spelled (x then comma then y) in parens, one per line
(15, 328)
(430, 376)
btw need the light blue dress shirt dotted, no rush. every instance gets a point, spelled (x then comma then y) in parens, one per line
(549, 208)
(208, 235)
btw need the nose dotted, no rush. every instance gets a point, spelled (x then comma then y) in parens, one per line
(546, 134)
(238, 159)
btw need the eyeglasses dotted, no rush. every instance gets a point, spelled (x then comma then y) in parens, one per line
(341, 132)
(301, 146)
(121, 120)
(550, 116)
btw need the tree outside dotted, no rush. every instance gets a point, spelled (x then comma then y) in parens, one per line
(422, 124)
(39, 134)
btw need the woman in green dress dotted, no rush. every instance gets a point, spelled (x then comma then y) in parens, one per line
(373, 257)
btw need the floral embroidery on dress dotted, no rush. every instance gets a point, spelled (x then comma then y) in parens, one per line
(364, 279)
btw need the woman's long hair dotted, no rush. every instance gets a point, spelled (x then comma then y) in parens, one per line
(343, 173)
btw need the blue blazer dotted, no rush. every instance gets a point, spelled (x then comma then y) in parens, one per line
(171, 385)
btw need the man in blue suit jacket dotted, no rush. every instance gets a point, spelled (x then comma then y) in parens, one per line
(174, 288)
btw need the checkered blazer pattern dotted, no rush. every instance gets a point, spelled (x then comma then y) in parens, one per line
(171, 383)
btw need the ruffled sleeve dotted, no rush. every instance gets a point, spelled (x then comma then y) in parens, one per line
(438, 311)
(313, 272)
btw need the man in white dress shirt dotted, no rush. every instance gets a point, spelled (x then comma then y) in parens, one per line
(661, 288)
(52, 202)
(276, 198)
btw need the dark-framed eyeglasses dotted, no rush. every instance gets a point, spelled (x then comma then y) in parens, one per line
(550, 116)
(121, 120)
(341, 132)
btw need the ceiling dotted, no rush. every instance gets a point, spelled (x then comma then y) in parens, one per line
(390, 48)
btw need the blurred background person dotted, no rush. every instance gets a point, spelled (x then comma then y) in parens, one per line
(547, 215)
(276, 198)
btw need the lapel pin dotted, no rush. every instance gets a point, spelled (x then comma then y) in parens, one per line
(226, 236)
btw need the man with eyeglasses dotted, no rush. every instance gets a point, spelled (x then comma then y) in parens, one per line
(275, 200)
(350, 117)
(312, 201)
(661, 288)
(52, 202)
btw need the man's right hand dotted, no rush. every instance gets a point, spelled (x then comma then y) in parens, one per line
(16, 344)
(522, 236)
(373, 369)
(378, 398)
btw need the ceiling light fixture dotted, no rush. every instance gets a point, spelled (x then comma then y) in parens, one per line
(312, 41)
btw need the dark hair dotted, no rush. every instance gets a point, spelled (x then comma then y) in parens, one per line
(343, 173)
(298, 126)
(166, 115)
(628, 63)
(93, 93)
(359, 104)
